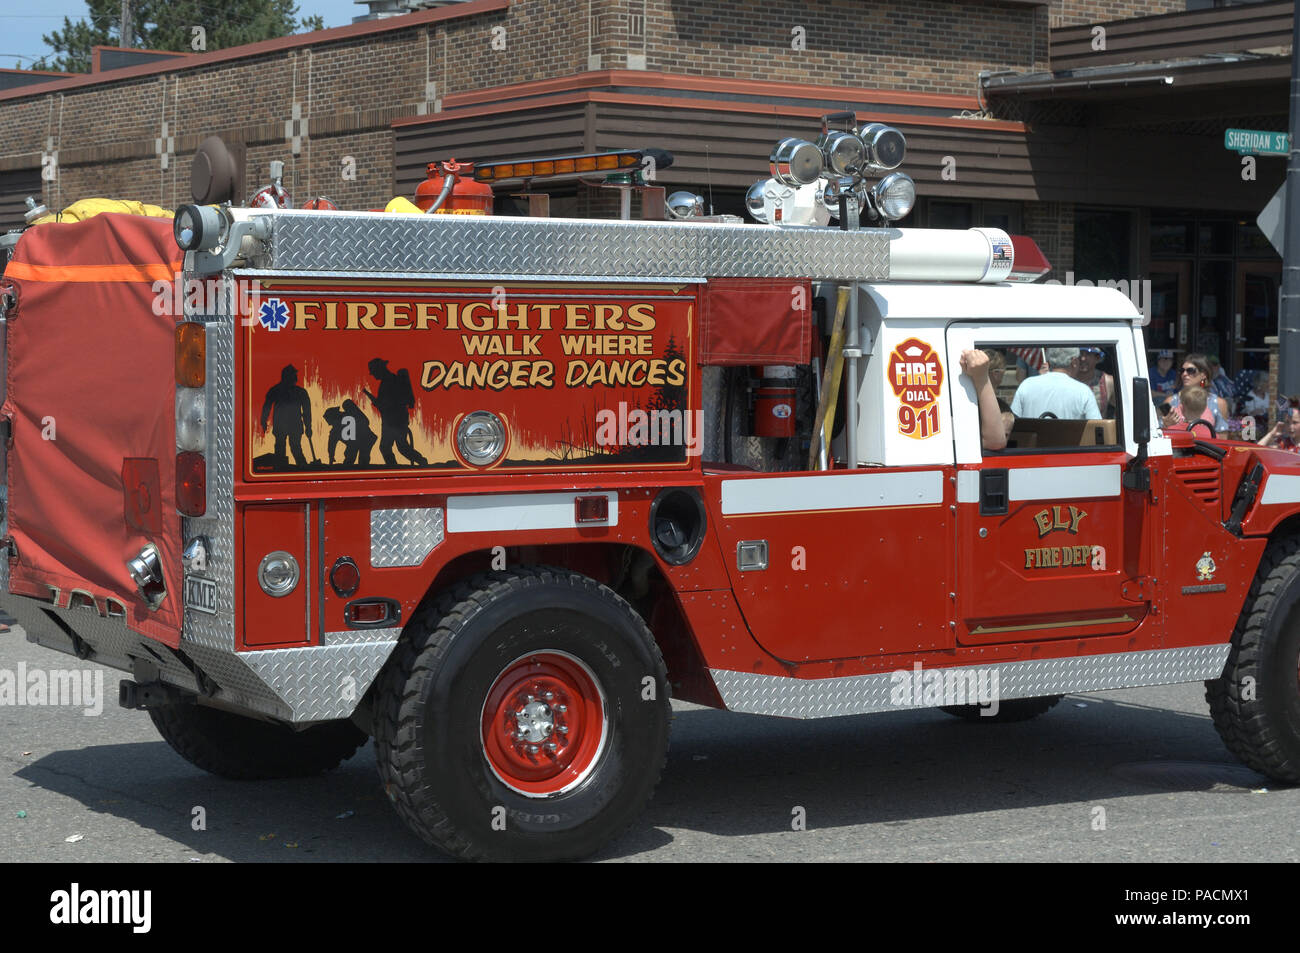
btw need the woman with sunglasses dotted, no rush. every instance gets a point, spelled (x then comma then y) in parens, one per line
(1195, 371)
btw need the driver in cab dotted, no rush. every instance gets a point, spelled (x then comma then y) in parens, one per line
(1057, 393)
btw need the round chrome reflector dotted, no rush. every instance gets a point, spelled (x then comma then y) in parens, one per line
(844, 152)
(278, 573)
(481, 438)
(754, 201)
(886, 147)
(894, 195)
(685, 205)
(795, 162)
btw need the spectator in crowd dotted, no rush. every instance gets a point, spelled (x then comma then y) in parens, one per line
(1220, 382)
(1163, 376)
(1192, 406)
(1252, 392)
(1195, 370)
(1101, 383)
(1285, 434)
(1057, 393)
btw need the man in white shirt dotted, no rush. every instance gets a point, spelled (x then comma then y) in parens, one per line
(1056, 392)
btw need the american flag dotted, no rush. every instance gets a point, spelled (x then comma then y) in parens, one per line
(1033, 356)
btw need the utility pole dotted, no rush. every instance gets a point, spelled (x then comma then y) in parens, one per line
(1289, 320)
(126, 24)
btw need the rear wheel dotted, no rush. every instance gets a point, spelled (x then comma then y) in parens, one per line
(1256, 702)
(246, 749)
(525, 716)
(1012, 710)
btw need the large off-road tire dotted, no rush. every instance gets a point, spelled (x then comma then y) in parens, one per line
(1011, 710)
(246, 749)
(1256, 702)
(500, 669)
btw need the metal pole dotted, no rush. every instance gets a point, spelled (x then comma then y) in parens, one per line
(1289, 320)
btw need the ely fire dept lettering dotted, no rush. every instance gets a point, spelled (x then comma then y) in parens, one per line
(916, 376)
(548, 363)
(1063, 519)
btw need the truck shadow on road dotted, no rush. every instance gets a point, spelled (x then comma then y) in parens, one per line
(727, 776)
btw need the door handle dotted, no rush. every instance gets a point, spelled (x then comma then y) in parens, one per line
(994, 498)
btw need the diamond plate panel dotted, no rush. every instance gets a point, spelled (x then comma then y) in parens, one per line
(113, 643)
(854, 695)
(494, 245)
(404, 537)
(240, 685)
(361, 636)
(320, 683)
(218, 523)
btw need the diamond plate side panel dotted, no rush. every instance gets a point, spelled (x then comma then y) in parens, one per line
(361, 636)
(404, 537)
(320, 683)
(218, 523)
(860, 694)
(495, 245)
(240, 685)
(113, 643)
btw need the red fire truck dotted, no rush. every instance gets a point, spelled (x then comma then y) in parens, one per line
(492, 490)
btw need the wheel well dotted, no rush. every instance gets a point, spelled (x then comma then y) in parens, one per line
(630, 571)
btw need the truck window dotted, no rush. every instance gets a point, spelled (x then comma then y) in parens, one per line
(1056, 396)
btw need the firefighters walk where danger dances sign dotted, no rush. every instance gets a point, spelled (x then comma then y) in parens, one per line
(369, 377)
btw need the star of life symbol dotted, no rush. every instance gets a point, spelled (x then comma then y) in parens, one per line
(1205, 567)
(273, 314)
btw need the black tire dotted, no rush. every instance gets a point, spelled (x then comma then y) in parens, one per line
(1259, 719)
(246, 749)
(1011, 710)
(434, 726)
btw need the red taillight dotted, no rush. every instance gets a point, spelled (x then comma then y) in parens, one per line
(591, 509)
(345, 577)
(191, 483)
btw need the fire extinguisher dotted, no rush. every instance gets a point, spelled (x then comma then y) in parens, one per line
(774, 402)
(450, 189)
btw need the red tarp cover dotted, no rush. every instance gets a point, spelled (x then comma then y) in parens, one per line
(756, 321)
(91, 386)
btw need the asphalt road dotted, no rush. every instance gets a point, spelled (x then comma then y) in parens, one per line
(1135, 775)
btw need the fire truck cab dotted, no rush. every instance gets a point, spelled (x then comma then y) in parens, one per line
(493, 490)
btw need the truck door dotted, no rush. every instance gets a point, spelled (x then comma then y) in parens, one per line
(1049, 543)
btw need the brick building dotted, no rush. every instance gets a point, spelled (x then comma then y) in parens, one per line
(1097, 127)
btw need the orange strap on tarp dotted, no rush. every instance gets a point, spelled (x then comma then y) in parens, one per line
(155, 271)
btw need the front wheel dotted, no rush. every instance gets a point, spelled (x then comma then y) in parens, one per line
(524, 717)
(1255, 703)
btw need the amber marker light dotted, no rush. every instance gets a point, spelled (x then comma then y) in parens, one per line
(191, 354)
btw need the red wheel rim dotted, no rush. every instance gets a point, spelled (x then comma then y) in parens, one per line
(544, 724)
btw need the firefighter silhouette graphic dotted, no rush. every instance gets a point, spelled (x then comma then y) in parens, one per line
(288, 408)
(394, 402)
(349, 426)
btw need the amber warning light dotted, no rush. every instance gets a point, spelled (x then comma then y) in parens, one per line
(595, 163)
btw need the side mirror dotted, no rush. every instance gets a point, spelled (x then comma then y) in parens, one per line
(1136, 475)
(1141, 410)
